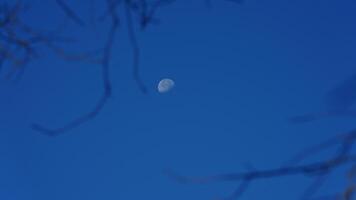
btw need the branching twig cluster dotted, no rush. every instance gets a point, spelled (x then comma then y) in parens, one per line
(19, 43)
(141, 8)
(16, 44)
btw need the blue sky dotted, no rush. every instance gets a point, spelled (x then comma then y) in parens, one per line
(240, 71)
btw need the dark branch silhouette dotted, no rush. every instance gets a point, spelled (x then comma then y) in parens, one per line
(135, 48)
(19, 44)
(309, 169)
(105, 64)
(70, 12)
(319, 170)
(19, 50)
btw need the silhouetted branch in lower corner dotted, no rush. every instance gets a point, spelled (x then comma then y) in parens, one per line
(317, 170)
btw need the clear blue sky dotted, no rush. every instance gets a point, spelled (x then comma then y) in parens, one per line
(240, 72)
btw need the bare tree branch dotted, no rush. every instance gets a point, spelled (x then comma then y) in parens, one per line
(70, 12)
(105, 64)
(309, 169)
(135, 48)
(20, 44)
(318, 170)
(338, 140)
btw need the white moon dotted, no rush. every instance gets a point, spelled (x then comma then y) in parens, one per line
(165, 85)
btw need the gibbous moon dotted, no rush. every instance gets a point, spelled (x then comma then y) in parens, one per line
(165, 85)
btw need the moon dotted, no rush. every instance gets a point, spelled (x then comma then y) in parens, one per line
(165, 85)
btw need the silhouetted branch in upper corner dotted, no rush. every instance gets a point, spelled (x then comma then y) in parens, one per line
(105, 64)
(318, 170)
(20, 44)
(14, 49)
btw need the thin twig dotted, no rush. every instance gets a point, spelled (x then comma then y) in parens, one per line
(71, 14)
(307, 169)
(135, 48)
